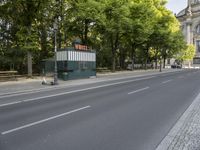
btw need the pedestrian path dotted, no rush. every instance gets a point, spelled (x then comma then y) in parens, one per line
(185, 135)
(36, 83)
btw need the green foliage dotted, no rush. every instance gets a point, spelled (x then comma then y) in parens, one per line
(120, 30)
(186, 54)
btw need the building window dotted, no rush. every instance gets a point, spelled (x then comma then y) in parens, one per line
(196, 61)
(195, 1)
(198, 29)
(198, 45)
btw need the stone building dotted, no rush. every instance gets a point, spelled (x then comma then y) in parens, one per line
(190, 25)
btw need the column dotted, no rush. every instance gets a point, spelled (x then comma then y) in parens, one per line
(188, 24)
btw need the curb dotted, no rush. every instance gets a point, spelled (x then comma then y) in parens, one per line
(185, 135)
(24, 86)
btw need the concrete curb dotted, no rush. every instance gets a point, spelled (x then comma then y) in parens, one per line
(99, 75)
(185, 135)
(36, 84)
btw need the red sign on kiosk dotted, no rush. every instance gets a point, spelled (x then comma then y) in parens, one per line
(80, 47)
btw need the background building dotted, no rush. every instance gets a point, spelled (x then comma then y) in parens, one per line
(190, 25)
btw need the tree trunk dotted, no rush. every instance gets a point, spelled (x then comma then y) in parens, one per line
(133, 64)
(29, 61)
(164, 62)
(43, 43)
(160, 65)
(113, 53)
(86, 31)
(29, 56)
(122, 58)
(114, 45)
(65, 38)
(145, 64)
(113, 62)
(59, 39)
(133, 57)
(156, 63)
(156, 60)
(146, 58)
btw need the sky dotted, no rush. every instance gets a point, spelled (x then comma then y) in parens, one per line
(176, 5)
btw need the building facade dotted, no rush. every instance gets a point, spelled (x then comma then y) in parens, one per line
(190, 25)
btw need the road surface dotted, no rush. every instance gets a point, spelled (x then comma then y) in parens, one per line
(131, 113)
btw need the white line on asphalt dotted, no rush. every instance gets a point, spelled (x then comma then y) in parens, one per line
(12, 103)
(25, 92)
(166, 81)
(75, 91)
(44, 120)
(139, 90)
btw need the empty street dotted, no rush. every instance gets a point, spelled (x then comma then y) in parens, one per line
(126, 113)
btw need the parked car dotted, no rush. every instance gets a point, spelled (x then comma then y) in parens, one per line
(138, 66)
(176, 66)
(129, 67)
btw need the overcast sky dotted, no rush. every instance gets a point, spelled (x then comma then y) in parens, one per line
(176, 5)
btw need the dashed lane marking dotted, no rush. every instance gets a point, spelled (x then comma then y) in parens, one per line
(44, 120)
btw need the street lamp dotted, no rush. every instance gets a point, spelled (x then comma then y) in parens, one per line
(55, 27)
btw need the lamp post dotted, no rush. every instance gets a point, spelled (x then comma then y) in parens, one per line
(55, 26)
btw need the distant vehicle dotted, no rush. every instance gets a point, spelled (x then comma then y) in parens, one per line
(129, 67)
(177, 64)
(174, 66)
(138, 66)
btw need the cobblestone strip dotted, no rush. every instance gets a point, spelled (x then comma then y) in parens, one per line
(185, 135)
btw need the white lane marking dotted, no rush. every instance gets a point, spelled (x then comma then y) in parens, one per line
(12, 103)
(166, 81)
(44, 120)
(139, 90)
(25, 92)
(75, 91)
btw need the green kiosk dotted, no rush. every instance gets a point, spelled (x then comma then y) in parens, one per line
(77, 62)
(72, 63)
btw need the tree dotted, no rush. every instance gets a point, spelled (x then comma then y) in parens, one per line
(83, 17)
(140, 31)
(22, 15)
(186, 54)
(116, 17)
(166, 38)
(140, 27)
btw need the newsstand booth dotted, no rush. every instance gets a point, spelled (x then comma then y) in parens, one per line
(75, 63)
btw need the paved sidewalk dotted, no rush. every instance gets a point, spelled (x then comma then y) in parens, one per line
(185, 135)
(35, 84)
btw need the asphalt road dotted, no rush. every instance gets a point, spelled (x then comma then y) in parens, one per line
(122, 114)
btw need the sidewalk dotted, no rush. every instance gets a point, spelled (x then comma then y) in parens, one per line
(36, 83)
(185, 135)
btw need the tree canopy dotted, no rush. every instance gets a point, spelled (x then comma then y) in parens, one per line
(121, 31)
